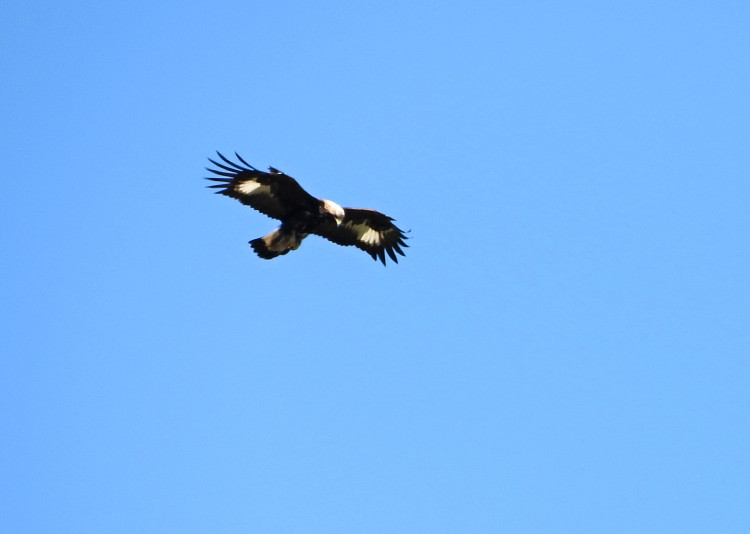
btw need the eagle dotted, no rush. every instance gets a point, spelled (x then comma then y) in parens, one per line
(279, 196)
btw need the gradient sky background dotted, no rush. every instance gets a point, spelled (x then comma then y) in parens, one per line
(564, 348)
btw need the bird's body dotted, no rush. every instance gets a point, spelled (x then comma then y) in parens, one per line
(279, 196)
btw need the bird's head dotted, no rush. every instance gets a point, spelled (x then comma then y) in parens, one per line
(333, 210)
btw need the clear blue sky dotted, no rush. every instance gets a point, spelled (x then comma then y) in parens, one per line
(564, 348)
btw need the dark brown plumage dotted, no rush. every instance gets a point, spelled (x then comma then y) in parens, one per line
(280, 196)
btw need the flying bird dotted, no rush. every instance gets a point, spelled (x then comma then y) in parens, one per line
(279, 196)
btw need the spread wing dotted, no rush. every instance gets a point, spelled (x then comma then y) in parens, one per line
(272, 193)
(368, 230)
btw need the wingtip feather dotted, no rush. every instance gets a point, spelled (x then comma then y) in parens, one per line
(245, 162)
(231, 163)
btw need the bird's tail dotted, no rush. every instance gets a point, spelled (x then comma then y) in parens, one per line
(277, 243)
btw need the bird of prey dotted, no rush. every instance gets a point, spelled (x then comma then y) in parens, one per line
(279, 196)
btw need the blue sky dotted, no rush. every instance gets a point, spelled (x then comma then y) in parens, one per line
(564, 348)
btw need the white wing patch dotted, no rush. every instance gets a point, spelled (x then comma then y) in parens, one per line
(369, 236)
(251, 187)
